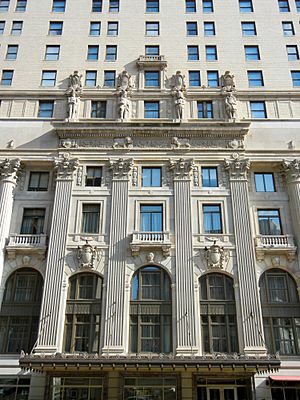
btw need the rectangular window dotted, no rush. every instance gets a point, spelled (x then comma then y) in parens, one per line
(205, 109)
(12, 52)
(95, 28)
(152, 6)
(191, 29)
(248, 28)
(113, 28)
(152, 28)
(297, 4)
(110, 78)
(151, 218)
(288, 28)
(258, 109)
(264, 182)
(252, 53)
(52, 53)
(48, 78)
(152, 78)
(194, 78)
(55, 28)
(212, 218)
(93, 53)
(255, 78)
(46, 108)
(90, 78)
(151, 109)
(21, 5)
(209, 176)
(93, 176)
(193, 53)
(7, 77)
(212, 78)
(207, 6)
(152, 50)
(114, 6)
(33, 221)
(211, 53)
(16, 28)
(111, 53)
(59, 6)
(2, 27)
(246, 6)
(283, 6)
(96, 5)
(4, 5)
(151, 177)
(209, 29)
(292, 53)
(90, 218)
(296, 78)
(98, 109)
(269, 222)
(38, 182)
(190, 6)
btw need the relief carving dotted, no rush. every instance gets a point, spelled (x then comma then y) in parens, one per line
(178, 89)
(292, 170)
(228, 91)
(73, 93)
(121, 168)
(65, 166)
(181, 168)
(86, 255)
(124, 90)
(216, 256)
(237, 167)
(9, 169)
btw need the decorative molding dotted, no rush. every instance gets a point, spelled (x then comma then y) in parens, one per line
(216, 256)
(134, 176)
(9, 170)
(237, 167)
(86, 255)
(292, 170)
(181, 168)
(65, 166)
(120, 168)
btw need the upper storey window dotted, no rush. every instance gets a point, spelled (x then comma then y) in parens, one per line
(4, 5)
(246, 6)
(269, 222)
(283, 6)
(264, 182)
(95, 28)
(46, 108)
(297, 3)
(151, 78)
(112, 28)
(288, 28)
(207, 6)
(296, 78)
(209, 176)
(151, 109)
(114, 5)
(55, 28)
(93, 176)
(7, 77)
(248, 28)
(152, 6)
(2, 26)
(38, 181)
(97, 6)
(151, 177)
(59, 5)
(21, 5)
(16, 28)
(191, 29)
(258, 109)
(152, 50)
(152, 28)
(190, 6)
(209, 29)
(33, 221)
(48, 78)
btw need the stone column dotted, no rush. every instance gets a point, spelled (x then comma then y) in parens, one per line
(118, 248)
(185, 294)
(53, 285)
(237, 168)
(8, 179)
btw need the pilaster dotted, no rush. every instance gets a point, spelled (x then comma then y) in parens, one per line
(8, 179)
(237, 168)
(53, 285)
(185, 306)
(118, 247)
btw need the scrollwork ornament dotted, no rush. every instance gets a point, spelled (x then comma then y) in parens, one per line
(292, 170)
(9, 169)
(181, 168)
(121, 168)
(237, 167)
(65, 166)
(216, 256)
(86, 255)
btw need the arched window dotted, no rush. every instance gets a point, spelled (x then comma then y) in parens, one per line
(83, 313)
(19, 317)
(218, 314)
(150, 311)
(281, 312)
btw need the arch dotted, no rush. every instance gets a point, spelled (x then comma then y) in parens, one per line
(20, 310)
(155, 264)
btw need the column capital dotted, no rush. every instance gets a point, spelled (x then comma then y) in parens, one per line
(9, 170)
(292, 170)
(65, 166)
(237, 167)
(181, 168)
(121, 168)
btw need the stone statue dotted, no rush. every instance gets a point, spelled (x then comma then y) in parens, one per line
(231, 105)
(124, 82)
(124, 88)
(179, 104)
(123, 105)
(178, 81)
(86, 255)
(75, 82)
(178, 88)
(73, 92)
(227, 82)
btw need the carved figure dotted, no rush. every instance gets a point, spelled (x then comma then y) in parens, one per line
(86, 255)
(124, 82)
(216, 256)
(73, 105)
(179, 104)
(231, 105)
(75, 82)
(178, 81)
(124, 105)
(227, 82)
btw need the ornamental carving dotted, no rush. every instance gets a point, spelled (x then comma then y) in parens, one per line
(86, 255)
(73, 93)
(228, 90)
(181, 168)
(216, 256)
(9, 169)
(120, 168)
(292, 170)
(178, 89)
(237, 167)
(227, 82)
(65, 166)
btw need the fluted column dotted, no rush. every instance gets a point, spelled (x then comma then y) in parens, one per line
(118, 247)
(237, 168)
(8, 179)
(53, 285)
(185, 296)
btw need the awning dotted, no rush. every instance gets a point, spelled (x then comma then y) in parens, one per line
(290, 378)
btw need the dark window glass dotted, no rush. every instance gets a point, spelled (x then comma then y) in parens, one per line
(7, 77)
(59, 5)
(46, 108)
(33, 221)
(194, 78)
(2, 27)
(212, 218)
(269, 222)
(38, 181)
(151, 109)
(252, 53)
(205, 109)
(151, 218)
(258, 109)
(190, 6)
(191, 29)
(98, 109)
(114, 5)
(209, 176)
(151, 176)
(283, 6)
(96, 5)
(93, 176)
(193, 53)
(297, 3)
(152, 6)
(264, 182)
(246, 6)
(110, 78)
(93, 53)
(212, 78)
(90, 218)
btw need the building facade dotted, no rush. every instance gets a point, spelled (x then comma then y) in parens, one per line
(149, 199)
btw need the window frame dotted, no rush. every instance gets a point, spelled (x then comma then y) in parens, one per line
(252, 55)
(92, 52)
(12, 52)
(112, 31)
(55, 31)
(216, 79)
(110, 81)
(151, 169)
(39, 187)
(21, 5)
(85, 218)
(49, 82)
(52, 56)
(205, 109)
(92, 180)
(97, 5)
(48, 111)
(152, 32)
(207, 6)
(258, 113)
(95, 31)
(57, 7)
(292, 52)
(90, 77)
(255, 78)
(191, 28)
(111, 53)
(192, 54)
(98, 108)
(152, 8)
(248, 31)
(155, 111)
(213, 231)
(246, 8)
(263, 214)
(114, 6)
(265, 184)
(190, 6)
(284, 6)
(196, 80)
(14, 31)
(211, 53)
(7, 77)
(288, 28)
(295, 78)
(212, 183)
(209, 28)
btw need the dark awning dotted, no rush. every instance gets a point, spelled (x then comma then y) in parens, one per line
(291, 378)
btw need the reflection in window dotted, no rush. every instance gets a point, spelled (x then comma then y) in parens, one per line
(150, 387)
(269, 222)
(212, 218)
(90, 218)
(78, 388)
(33, 221)
(264, 182)
(151, 177)
(151, 218)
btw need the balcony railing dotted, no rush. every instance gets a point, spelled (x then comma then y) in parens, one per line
(151, 60)
(31, 243)
(275, 244)
(150, 240)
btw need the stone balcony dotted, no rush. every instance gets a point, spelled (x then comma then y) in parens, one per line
(151, 61)
(150, 240)
(26, 244)
(275, 245)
